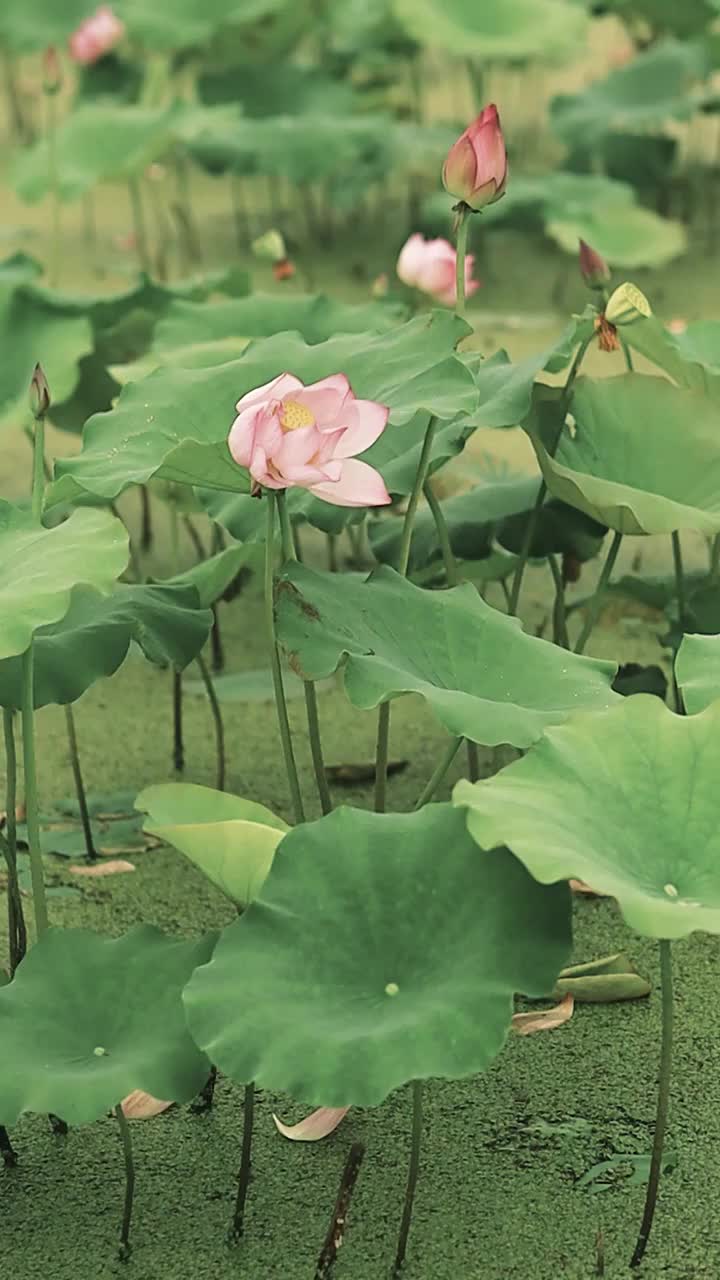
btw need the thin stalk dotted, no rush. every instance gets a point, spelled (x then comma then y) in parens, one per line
(189, 239)
(38, 473)
(280, 700)
(438, 774)
(532, 522)
(237, 1227)
(217, 721)
(197, 542)
(17, 931)
(91, 852)
(16, 114)
(177, 706)
(413, 1170)
(473, 759)
(663, 1102)
(7, 1150)
(146, 529)
(679, 579)
(335, 1237)
(125, 1247)
(451, 570)
(715, 558)
(382, 749)
(461, 236)
(54, 184)
(90, 232)
(139, 225)
(216, 644)
(560, 633)
(31, 795)
(627, 354)
(596, 602)
(331, 542)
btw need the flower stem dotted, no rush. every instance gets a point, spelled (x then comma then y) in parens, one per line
(534, 514)
(461, 237)
(311, 705)
(238, 1223)
(663, 1102)
(280, 702)
(438, 774)
(31, 796)
(217, 721)
(38, 472)
(596, 602)
(125, 1247)
(17, 932)
(139, 225)
(679, 579)
(51, 137)
(90, 850)
(335, 1237)
(413, 1170)
(382, 748)
(560, 635)
(451, 570)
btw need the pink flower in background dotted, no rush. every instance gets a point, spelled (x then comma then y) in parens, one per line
(429, 265)
(96, 36)
(476, 169)
(287, 434)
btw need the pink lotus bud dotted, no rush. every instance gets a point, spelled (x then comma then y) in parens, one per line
(476, 169)
(52, 70)
(39, 392)
(96, 36)
(594, 269)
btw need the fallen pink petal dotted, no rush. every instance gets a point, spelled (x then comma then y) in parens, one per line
(143, 1106)
(319, 1124)
(527, 1024)
(115, 867)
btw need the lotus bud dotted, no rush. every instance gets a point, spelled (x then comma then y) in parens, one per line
(39, 393)
(270, 247)
(626, 305)
(52, 71)
(283, 270)
(476, 168)
(593, 268)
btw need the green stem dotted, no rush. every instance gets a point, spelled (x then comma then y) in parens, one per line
(627, 354)
(542, 491)
(461, 236)
(38, 473)
(90, 850)
(238, 1223)
(31, 796)
(280, 701)
(216, 712)
(438, 774)
(17, 931)
(679, 579)
(663, 1102)
(560, 633)
(125, 1246)
(715, 558)
(413, 1170)
(596, 602)
(139, 225)
(382, 748)
(443, 533)
(473, 757)
(311, 705)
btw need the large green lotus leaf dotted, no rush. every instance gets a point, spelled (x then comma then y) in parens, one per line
(659, 85)
(34, 327)
(533, 199)
(98, 141)
(349, 151)
(232, 841)
(86, 1020)
(175, 423)
(479, 672)
(700, 342)
(682, 361)
(624, 799)
(625, 237)
(92, 640)
(180, 24)
(40, 567)
(642, 458)
(665, 16)
(32, 27)
(496, 30)
(210, 578)
(422, 983)
(697, 669)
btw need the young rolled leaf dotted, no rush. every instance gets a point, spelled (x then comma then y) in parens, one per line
(422, 984)
(624, 799)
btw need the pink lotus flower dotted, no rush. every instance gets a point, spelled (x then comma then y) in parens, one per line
(476, 169)
(287, 434)
(96, 36)
(429, 265)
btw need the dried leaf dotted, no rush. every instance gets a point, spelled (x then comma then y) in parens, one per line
(526, 1024)
(317, 1125)
(113, 868)
(142, 1106)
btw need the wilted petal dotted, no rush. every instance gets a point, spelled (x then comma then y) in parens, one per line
(317, 1125)
(142, 1106)
(526, 1024)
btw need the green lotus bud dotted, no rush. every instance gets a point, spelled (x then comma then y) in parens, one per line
(626, 305)
(270, 247)
(39, 393)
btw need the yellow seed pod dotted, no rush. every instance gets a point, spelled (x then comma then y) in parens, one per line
(626, 305)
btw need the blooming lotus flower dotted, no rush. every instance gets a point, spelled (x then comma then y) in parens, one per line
(288, 435)
(96, 36)
(429, 265)
(593, 268)
(476, 169)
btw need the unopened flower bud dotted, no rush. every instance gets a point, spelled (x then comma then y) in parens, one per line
(39, 393)
(270, 247)
(476, 168)
(593, 268)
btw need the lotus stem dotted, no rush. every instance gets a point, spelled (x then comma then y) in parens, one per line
(280, 700)
(596, 602)
(90, 851)
(451, 570)
(473, 760)
(237, 1228)
(146, 529)
(139, 225)
(413, 1170)
(17, 932)
(125, 1249)
(679, 579)
(54, 183)
(438, 774)
(177, 704)
(663, 1102)
(560, 633)
(7, 1150)
(31, 795)
(461, 237)
(217, 721)
(335, 1237)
